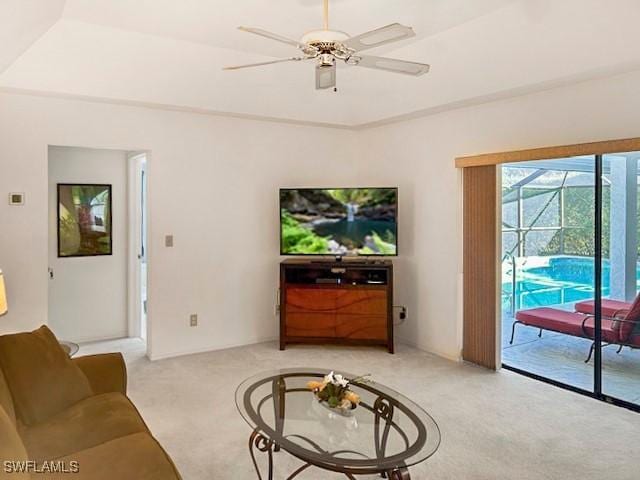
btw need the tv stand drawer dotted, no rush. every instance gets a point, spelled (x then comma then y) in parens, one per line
(307, 300)
(371, 327)
(311, 324)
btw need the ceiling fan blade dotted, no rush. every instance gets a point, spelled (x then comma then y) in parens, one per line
(325, 76)
(380, 36)
(273, 36)
(389, 64)
(259, 64)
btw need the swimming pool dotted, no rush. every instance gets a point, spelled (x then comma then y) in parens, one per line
(544, 281)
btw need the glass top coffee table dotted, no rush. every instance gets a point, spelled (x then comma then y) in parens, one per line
(386, 434)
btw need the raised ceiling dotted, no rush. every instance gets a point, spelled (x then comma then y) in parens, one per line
(22, 22)
(170, 53)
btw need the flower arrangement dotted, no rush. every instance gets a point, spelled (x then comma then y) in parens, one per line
(334, 392)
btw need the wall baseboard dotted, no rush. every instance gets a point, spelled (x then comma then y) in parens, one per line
(445, 355)
(225, 346)
(213, 348)
(85, 340)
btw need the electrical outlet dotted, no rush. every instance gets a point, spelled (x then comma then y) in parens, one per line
(168, 241)
(193, 320)
(277, 309)
(16, 198)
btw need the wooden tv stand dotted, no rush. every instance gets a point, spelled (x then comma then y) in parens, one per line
(348, 302)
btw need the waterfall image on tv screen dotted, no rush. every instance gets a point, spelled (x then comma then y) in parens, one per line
(342, 221)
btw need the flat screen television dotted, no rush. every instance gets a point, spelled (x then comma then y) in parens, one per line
(339, 221)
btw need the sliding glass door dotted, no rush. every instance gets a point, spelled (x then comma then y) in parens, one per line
(620, 350)
(570, 273)
(548, 264)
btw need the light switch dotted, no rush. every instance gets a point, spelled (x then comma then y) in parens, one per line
(168, 241)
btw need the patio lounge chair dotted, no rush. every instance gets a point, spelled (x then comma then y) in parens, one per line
(622, 328)
(610, 308)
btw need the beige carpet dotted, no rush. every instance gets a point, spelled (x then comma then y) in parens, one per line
(494, 425)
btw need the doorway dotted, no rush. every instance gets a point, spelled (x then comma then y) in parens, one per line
(138, 272)
(570, 273)
(560, 227)
(97, 244)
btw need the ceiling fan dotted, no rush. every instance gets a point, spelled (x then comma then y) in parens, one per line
(328, 46)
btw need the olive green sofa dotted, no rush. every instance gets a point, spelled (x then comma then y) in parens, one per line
(71, 418)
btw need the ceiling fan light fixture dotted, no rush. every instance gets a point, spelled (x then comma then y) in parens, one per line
(324, 36)
(326, 60)
(327, 46)
(325, 76)
(353, 60)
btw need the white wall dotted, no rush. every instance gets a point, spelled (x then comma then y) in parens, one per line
(213, 184)
(418, 155)
(88, 295)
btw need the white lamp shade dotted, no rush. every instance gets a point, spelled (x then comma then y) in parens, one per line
(3, 296)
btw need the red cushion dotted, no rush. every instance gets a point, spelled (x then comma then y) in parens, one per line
(565, 322)
(552, 319)
(631, 320)
(612, 307)
(634, 340)
(609, 330)
(609, 307)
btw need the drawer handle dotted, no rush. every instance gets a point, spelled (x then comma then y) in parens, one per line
(338, 270)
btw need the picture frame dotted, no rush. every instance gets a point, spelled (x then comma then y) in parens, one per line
(84, 220)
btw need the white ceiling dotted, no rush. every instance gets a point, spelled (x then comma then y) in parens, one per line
(22, 22)
(213, 22)
(170, 52)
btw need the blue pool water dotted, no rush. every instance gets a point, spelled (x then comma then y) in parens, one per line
(548, 281)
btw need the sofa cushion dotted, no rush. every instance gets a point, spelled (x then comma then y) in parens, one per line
(134, 457)
(11, 448)
(88, 423)
(106, 372)
(42, 378)
(6, 402)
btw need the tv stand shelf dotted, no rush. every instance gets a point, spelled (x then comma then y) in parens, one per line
(347, 302)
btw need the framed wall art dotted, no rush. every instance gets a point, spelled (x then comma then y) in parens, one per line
(84, 220)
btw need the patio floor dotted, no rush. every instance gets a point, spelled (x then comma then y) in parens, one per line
(561, 357)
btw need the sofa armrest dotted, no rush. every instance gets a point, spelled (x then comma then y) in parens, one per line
(106, 372)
